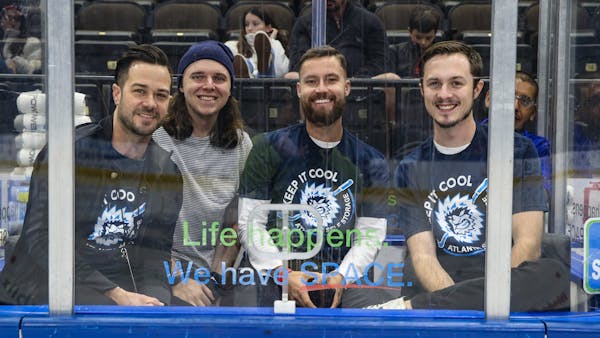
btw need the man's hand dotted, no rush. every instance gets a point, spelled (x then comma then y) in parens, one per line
(297, 280)
(122, 297)
(337, 297)
(194, 293)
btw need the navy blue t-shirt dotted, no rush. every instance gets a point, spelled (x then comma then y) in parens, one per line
(342, 183)
(447, 194)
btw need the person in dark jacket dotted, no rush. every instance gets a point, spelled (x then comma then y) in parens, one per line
(127, 197)
(357, 33)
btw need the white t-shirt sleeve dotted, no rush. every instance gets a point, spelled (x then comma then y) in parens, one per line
(255, 238)
(364, 248)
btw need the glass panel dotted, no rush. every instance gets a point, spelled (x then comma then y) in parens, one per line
(440, 196)
(583, 152)
(346, 182)
(131, 216)
(22, 138)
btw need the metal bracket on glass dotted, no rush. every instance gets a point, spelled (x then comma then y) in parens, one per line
(285, 305)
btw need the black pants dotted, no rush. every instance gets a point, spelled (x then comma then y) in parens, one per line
(542, 285)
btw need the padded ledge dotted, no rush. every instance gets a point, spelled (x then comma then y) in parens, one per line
(9, 325)
(580, 325)
(237, 322)
(10, 318)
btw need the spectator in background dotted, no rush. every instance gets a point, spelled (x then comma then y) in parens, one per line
(258, 51)
(526, 92)
(203, 132)
(357, 33)
(21, 52)
(422, 27)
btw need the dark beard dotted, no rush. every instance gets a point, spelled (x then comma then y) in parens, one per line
(127, 122)
(322, 119)
(452, 124)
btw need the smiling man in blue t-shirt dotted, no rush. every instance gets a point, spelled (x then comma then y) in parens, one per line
(443, 189)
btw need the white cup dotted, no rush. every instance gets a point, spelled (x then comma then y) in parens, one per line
(35, 103)
(81, 119)
(79, 106)
(32, 102)
(34, 122)
(26, 157)
(30, 139)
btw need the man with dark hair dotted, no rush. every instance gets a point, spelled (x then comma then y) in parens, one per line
(203, 131)
(321, 164)
(127, 197)
(442, 188)
(423, 24)
(357, 33)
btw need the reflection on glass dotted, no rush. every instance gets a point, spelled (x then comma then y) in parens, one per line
(128, 193)
(22, 130)
(439, 205)
(582, 198)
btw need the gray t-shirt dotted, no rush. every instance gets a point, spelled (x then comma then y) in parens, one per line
(211, 177)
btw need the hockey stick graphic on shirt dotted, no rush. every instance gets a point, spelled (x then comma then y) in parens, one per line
(480, 189)
(336, 192)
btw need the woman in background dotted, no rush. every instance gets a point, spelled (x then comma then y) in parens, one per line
(258, 51)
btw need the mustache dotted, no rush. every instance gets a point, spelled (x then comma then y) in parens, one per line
(446, 101)
(322, 96)
(153, 112)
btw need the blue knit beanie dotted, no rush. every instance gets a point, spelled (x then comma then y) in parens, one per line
(209, 49)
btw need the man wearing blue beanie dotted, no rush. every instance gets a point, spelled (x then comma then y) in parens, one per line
(207, 50)
(204, 131)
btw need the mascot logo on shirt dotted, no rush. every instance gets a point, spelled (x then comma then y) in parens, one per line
(324, 200)
(459, 219)
(116, 225)
(334, 204)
